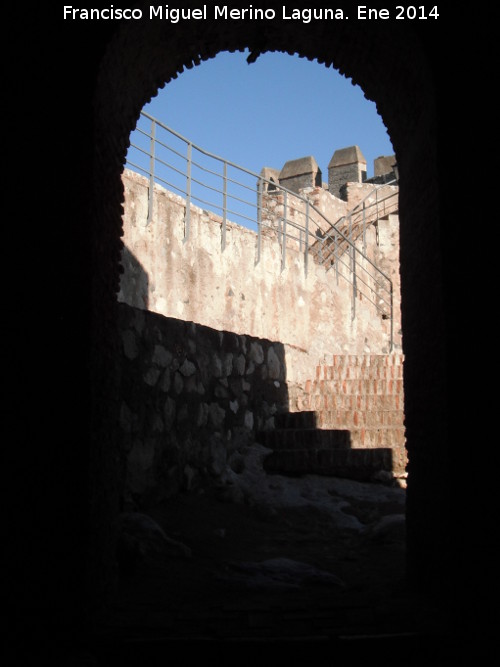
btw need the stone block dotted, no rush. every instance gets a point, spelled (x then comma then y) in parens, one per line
(161, 356)
(129, 344)
(151, 376)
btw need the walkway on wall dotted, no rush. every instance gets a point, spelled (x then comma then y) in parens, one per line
(241, 196)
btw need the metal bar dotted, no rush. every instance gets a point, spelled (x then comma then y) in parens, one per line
(224, 207)
(172, 150)
(251, 173)
(342, 235)
(171, 167)
(335, 257)
(306, 240)
(141, 150)
(243, 169)
(283, 236)
(259, 219)
(171, 185)
(151, 172)
(391, 344)
(354, 288)
(218, 190)
(364, 229)
(187, 219)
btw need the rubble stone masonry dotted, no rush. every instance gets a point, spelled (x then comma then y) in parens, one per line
(190, 397)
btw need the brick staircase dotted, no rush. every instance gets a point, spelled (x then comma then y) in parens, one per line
(347, 422)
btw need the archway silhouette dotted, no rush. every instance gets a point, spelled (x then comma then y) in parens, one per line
(404, 118)
(124, 70)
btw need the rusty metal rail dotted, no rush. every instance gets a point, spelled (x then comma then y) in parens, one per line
(244, 197)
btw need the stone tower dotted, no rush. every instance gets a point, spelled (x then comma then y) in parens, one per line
(348, 165)
(301, 173)
(272, 175)
(384, 165)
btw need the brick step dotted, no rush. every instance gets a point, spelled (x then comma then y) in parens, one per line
(359, 372)
(350, 402)
(357, 464)
(339, 361)
(302, 419)
(309, 439)
(331, 403)
(395, 438)
(336, 418)
(359, 419)
(357, 386)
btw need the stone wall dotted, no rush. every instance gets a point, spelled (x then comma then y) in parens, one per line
(384, 165)
(116, 73)
(190, 397)
(330, 206)
(194, 280)
(347, 164)
(356, 192)
(301, 173)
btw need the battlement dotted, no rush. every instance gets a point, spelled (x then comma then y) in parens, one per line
(347, 165)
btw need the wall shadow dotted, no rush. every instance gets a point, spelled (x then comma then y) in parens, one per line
(300, 447)
(190, 397)
(135, 289)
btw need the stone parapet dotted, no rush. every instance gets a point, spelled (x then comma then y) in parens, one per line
(190, 396)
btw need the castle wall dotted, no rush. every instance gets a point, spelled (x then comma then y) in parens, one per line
(330, 206)
(346, 173)
(194, 280)
(356, 192)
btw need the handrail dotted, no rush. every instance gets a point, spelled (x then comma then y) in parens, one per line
(275, 208)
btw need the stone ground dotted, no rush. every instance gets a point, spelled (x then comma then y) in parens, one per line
(259, 567)
(256, 558)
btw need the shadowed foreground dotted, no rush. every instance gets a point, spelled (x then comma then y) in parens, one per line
(257, 557)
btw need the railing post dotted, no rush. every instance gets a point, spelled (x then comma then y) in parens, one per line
(354, 286)
(151, 171)
(260, 185)
(364, 229)
(224, 207)
(187, 220)
(283, 234)
(335, 249)
(391, 343)
(306, 244)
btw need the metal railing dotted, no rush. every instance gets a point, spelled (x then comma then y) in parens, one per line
(368, 211)
(244, 197)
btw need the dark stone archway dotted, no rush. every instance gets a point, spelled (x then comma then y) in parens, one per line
(116, 68)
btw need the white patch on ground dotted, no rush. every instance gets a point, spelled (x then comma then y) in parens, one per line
(330, 494)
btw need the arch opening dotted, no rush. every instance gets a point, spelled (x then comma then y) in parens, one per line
(232, 469)
(402, 119)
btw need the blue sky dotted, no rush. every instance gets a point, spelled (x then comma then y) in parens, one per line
(279, 108)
